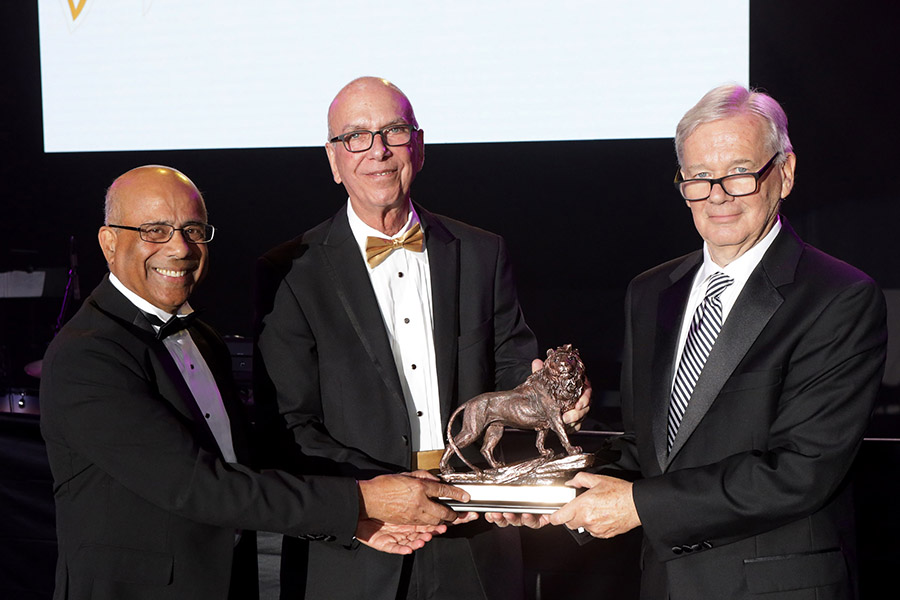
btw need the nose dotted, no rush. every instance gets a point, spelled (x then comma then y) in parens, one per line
(717, 194)
(179, 246)
(379, 146)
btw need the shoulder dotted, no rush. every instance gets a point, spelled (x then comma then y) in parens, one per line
(90, 347)
(458, 228)
(666, 273)
(817, 266)
(287, 252)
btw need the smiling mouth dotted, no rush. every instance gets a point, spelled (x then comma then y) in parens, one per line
(170, 272)
(384, 173)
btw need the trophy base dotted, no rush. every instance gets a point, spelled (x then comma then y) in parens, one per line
(534, 486)
(534, 499)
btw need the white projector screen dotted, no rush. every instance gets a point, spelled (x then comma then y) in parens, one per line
(194, 74)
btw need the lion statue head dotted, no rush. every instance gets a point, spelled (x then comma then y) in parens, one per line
(563, 375)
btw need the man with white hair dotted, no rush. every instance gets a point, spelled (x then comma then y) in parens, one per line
(750, 370)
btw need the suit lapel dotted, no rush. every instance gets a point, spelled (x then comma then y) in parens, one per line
(443, 263)
(347, 270)
(175, 389)
(169, 382)
(756, 304)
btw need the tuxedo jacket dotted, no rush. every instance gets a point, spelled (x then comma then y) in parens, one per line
(752, 498)
(146, 507)
(324, 353)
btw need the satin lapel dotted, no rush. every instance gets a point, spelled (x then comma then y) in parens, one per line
(670, 312)
(347, 270)
(173, 388)
(169, 382)
(443, 263)
(754, 307)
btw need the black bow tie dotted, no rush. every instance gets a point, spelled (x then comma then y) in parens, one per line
(173, 325)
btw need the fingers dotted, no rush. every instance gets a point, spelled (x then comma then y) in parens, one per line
(575, 415)
(536, 365)
(517, 520)
(444, 490)
(395, 539)
(422, 474)
(465, 517)
(585, 480)
(564, 515)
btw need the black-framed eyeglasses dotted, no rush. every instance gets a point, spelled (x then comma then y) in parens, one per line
(398, 134)
(160, 233)
(737, 184)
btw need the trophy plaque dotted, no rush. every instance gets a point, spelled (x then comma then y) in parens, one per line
(533, 486)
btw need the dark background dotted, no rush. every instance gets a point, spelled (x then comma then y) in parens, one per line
(581, 219)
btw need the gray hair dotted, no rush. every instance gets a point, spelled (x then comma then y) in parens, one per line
(110, 207)
(731, 100)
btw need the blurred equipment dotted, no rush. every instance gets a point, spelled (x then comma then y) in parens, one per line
(21, 401)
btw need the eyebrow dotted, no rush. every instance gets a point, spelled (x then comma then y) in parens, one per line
(358, 127)
(734, 163)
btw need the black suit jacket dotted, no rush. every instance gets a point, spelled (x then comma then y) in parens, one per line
(146, 507)
(325, 353)
(752, 497)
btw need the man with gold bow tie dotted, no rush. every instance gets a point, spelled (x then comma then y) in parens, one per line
(372, 328)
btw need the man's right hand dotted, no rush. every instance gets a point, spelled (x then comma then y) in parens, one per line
(406, 499)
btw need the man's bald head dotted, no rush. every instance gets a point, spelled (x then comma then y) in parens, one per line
(357, 91)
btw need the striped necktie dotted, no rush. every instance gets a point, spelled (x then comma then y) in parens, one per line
(701, 336)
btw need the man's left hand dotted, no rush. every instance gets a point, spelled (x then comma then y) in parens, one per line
(605, 510)
(395, 539)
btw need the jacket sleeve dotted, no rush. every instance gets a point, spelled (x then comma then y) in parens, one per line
(514, 343)
(104, 411)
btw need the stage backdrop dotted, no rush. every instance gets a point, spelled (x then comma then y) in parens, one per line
(581, 217)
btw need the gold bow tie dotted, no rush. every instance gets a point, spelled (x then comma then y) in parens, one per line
(378, 249)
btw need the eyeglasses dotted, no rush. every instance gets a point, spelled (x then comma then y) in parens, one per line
(738, 184)
(392, 135)
(160, 233)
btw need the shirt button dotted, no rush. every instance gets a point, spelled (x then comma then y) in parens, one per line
(192, 367)
(414, 367)
(206, 415)
(406, 320)
(419, 413)
(400, 274)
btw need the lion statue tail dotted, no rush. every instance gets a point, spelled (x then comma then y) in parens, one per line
(452, 442)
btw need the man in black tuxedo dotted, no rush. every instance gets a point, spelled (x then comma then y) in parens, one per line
(147, 442)
(743, 438)
(373, 327)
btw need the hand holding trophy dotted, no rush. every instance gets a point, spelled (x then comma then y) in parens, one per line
(533, 486)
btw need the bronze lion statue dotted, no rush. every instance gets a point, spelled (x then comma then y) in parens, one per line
(538, 403)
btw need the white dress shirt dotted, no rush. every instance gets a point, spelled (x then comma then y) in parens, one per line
(402, 285)
(739, 270)
(194, 369)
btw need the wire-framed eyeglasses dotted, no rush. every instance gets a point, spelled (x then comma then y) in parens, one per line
(160, 233)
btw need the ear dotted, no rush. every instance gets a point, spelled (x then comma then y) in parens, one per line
(107, 238)
(787, 174)
(329, 150)
(420, 149)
